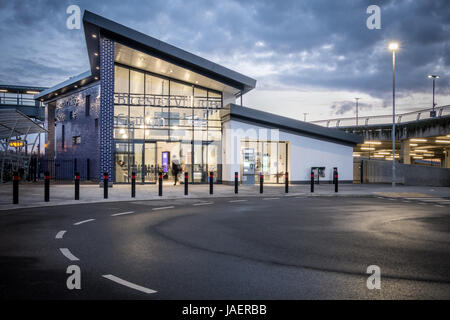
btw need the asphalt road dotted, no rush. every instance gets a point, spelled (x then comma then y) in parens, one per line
(220, 248)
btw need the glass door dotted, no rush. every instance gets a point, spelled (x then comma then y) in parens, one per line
(149, 169)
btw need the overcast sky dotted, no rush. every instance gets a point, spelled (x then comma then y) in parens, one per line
(307, 56)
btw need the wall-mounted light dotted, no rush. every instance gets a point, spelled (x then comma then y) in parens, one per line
(94, 36)
(32, 92)
(96, 54)
(97, 67)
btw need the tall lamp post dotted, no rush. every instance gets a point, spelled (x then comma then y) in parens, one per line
(393, 46)
(434, 77)
(357, 110)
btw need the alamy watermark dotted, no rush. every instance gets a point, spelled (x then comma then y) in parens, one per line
(73, 21)
(374, 280)
(374, 20)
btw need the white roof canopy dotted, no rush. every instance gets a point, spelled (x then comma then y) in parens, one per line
(14, 123)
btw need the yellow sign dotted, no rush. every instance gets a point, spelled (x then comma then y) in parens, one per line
(16, 144)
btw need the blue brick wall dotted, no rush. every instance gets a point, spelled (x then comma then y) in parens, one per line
(80, 125)
(106, 107)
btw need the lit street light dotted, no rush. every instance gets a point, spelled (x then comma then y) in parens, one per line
(393, 46)
(434, 77)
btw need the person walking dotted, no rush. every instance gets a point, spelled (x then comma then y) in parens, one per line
(175, 169)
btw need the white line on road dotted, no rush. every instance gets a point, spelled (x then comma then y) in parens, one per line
(406, 201)
(438, 205)
(162, 208)
(121, 213)
(60, 234)
(128, 284)
(66, 252)
(271, 198)
(241, 200)
(84, 221)
(202, 203)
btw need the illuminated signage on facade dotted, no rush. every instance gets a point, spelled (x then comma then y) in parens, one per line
(165, 101)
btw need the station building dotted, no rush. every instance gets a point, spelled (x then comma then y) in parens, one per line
(144, 103)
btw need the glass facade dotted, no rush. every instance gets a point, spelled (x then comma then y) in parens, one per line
(264, 157)
(158, 120)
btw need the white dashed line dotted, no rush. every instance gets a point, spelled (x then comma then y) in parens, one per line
(271, 198)
(406, 201)
(128, 284)
(237, 200)
(121, 213)
(202, 203)
(162, 208)
(60, 234)
(84, 221)
(66, 252)
(438, 205)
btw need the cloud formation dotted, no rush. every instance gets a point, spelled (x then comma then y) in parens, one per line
(286, 45)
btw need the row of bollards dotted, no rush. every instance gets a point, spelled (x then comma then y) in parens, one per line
(160, 184)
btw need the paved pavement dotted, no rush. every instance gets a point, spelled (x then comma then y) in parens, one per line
(259, 247)
(32, 194)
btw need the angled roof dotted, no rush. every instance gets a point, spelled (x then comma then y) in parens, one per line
(94, 25)
(284, 123)
(14, 123)
(20, 89)
(65, 86)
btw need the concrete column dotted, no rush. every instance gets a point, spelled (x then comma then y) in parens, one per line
(446, 163)
(404, 152)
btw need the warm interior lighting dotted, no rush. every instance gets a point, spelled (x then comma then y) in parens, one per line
(418, 157)
(96, 54)
(378, 156)
(413, 144)
(393, 46)
(420, 151)
(356, 155)
(94, 35)
(124, 136)
(3, 90)
(385, 153)
(121, 131)
(419, 140)
(367, 148)
(372, 142)
(97, 67)
(32, 92)
(443, 141)
(96, 78)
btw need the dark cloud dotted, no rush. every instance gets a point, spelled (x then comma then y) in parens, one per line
(322, 44)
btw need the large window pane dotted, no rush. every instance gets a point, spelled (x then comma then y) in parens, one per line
(156, 117)
(156, 85)
(136, 82)
(121, 79)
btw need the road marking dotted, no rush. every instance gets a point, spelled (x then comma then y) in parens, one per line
(438, 205)
(121, 213)
(202, 203)
(66, 252)
(84, 221)
(238, 200)
(128, 284)
(60, 234)
(406, 201)
(271, 198)
(162, 208)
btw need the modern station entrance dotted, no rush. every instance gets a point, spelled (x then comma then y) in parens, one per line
(147, 158)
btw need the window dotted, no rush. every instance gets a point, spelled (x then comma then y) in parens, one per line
(76, 140)
(87, 104)
(71, 115)
(63, 136)
(96, 123)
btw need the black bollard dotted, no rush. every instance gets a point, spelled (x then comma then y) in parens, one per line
(133, 184)
(236, 182)
(286, 183)
(160, 184)
(15, 187)
(105, 185)
(47, 186)
(186, 183)
(211, 181)
(77, 186)
(261, 183)
(312, 181)
(336, 180)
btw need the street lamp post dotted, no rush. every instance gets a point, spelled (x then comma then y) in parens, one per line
(357, 110)
(393, 46)
(434, 77)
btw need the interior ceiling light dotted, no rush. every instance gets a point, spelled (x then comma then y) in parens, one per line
(443, 141)
(372, 142)
(419, 140)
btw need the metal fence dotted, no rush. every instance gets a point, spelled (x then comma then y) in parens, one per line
(64, 169)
